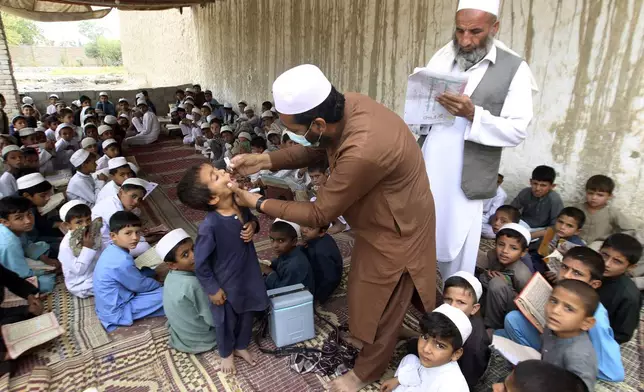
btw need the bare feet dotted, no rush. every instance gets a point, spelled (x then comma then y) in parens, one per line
(247, 356)
(352, 340)
(228, 365)
(347, 383)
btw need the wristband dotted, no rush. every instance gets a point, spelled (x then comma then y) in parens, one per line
(258, 205)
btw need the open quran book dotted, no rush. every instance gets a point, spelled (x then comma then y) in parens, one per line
(532, 300)
(38, 265)
(56, 200)
(24, 335)
(514, 352)
(11, 300)
(150, 258)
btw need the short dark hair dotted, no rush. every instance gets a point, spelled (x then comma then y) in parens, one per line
(216, 120)
(584, 291)
(461, 283)
(511, 233)
(285, 137)
(122, 219)
(50, 119)
(284, 228)
(625, 244)
(544, 173)
(44, 186)
(133, 187)
(29, 151)
(14, 205)
(170, 257)
(268, 103)
(319, 166)
(537, 376)
(144, 92)
(192, 192)
(258, 142)
(84, 98)
(515, 214)
(113, 171)
(590, 258)
(64, 112)
(331, 110)
(600, 183)
(439, 326)
(78, 211)
(501, 175)
(196, 85)
(575, 213)
(179, 91)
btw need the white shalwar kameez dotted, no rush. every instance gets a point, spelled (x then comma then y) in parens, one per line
(458, 219)
(105, 209)
(78, 270)
(110, 189)
(8, 184)
(414, 377)
(84, 188)
(149, 130)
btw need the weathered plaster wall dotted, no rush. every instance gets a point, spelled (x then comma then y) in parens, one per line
(7, 82)
(586, 56)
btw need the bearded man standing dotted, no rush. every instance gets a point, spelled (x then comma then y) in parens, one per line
(462, 159)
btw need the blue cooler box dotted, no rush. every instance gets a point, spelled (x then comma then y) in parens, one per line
(291, 317)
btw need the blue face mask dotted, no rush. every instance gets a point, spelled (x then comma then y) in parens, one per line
(304, 141)
(299, 139)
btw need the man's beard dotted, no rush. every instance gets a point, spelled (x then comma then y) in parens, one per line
(467, 60)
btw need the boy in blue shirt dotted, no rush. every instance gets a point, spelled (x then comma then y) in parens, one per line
(325, 259)
(291, 265)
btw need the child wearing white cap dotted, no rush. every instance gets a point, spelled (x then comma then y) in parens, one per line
(90, 145)
(111, 150)
(192, 329)
(90, 130)
(38, 191)
(435, 369)
(119, 171)
(291, 266)
(13, 160)
(82, 186)
(105, 105)
(147, 126)
(65, 146)
(53, 99)
(78, 266)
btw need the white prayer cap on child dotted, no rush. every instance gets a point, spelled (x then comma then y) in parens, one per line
(190, 90)
(181, 106)
(26, 132)
(136, 181)
(207, 105)
(79, 157)
(244, 135)
(273, 133)
(267, 114)
(62, 126)
(248, 109)
(123, 115)
(68, 206)
(459, 319)
(226, 128)
(522, 230)
(88, 125)
(300, 89)
(134, 167)
(196, 110)
(189, 117)
(228, 105)
(107, 143)
(28, 101)
(141, 101)
(109, 119)
(40, 129)
(103, 93)
(116, 162)
(30, 180)
(27, 105)
(174, 109)
(104, 128)
(88, 141)
(169, 241)
(7, 149)
(139, 95)
(242, 103)
(205, 125)
(294, 225)
(471, 279)
(53, 96)
(76, 102)
(210, 117)
(123, 100)
(489, 6)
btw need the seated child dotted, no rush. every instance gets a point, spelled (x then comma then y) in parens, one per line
(90, 130)
(325, 259)
(463, 291)
(444, 331)
(318, 173)
(504, 276)
(13, 160)
(502, 216)
(602, 219)
(120, 171)
(31, 163)
(569, 316)
(186, 305)
(38, 191)
(18, 122)
(111, 150)
(105, 132)
(128, 198)
(82, 186)
(28, 113)
(65, 146)
(225, 264)
(291, 265)
(537, 376)
(539, 204)
(492, 204)
(618, 293)
(123, 293)
(17, 220)
(273, 138)
(586, 265)
(78, 269)
(226, 133)
(51, 123)
(565, 230)
(242, 144)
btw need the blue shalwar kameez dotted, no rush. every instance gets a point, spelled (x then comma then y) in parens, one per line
(14, 249)
(289, 269)
(326, 261)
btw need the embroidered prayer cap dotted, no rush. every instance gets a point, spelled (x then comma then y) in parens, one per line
(121, 100)
(300, 89)
(27, 105)
(79, 157)
(196, 110)
(273, 133)
(53, 96)
(248, 109)
(107, 143)
(88, 141)
(76, 102)
(63, 126)
(471, 279)
(244, 135)
(294, 225)
(169, 241)
(68, 206)
(242, 103)
(141, 101)
(26, 132)
(205, 125)
(267, 114)
(7, 149)
(489, 6)
(103, 94)
(134, 167)
(30, 180)
(228, 105)
(28, 101)
(116, 162)
(190, 90)
(459, 319)
(104, 128)
(226, 128)
(524, 232)
(109, 119)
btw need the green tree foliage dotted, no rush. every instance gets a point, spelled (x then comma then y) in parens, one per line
(107, 51)
(91, 30)
(21, 31)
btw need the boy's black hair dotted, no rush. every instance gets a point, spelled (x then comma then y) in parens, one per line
(179, 91)
(538, 376)
(575, 213)
(439, 326)
(285, 138)
(78, 211)
(133, 187)
(216, 120)
(501, 175)
(284, 228)
(112, 144)
(14, 205)
(192, 192)
(544, 173)
(63, 113)
(511, 233)
(586, 294)
(113, 171)
(319, 166)
(84, 98)
(170, 257)
(122, 219)
(29, 151)
(258, 142)
(515, 214)
(44, 186)
(461, 283)
(269, 104)
(600, 183)
(625, 244)
(589, 258)
(89, 125)
(50, 119)
(330, 110)
(196, 85)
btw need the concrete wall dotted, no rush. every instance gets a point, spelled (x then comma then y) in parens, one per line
(50, 56)
(7, 81)
(586, 56)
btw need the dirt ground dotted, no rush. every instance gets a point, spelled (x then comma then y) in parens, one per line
(47, 79)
